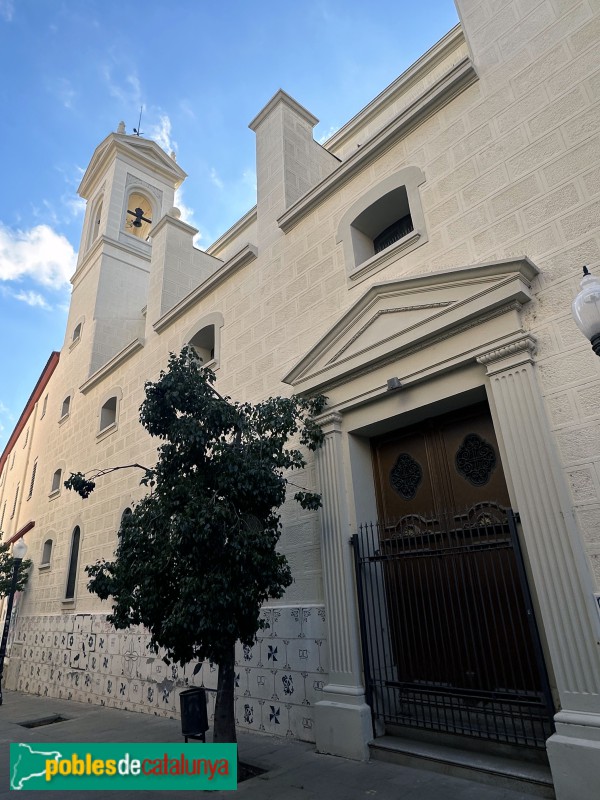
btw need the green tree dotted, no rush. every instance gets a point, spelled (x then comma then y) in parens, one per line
(6, 571)
(197, 557)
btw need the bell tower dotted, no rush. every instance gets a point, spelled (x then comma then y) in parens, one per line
(129, 186)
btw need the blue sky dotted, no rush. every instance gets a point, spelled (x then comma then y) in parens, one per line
(201, 69)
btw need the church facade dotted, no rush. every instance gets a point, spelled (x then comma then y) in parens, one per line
(418, 269)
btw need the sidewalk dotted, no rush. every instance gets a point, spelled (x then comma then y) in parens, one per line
(294, 770)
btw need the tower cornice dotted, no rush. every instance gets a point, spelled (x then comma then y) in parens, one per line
(141, 152)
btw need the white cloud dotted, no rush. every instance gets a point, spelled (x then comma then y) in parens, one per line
(31, 298)
(161, 134)
(129, 92)
(332, 129)
(7, 10)
(214, 177)
(187, 214)
(75, 205)
(39, 254)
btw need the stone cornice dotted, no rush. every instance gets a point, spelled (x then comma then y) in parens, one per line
(416, 72)
(458, 78)
(332, 420)
(526, 344)
(21, 532)
(282, 97)
(111, 365)
(144, 152)
(38, 390)
(178, 223)
(90, 257)
(416, 292)
(232, 233)
(393, 320)
(239, 260)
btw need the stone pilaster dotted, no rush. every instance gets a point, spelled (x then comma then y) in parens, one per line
(559, 569)
(343, 720)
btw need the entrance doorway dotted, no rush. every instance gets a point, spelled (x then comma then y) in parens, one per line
(449, 635)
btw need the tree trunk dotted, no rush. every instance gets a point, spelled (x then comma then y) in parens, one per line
(224, 730)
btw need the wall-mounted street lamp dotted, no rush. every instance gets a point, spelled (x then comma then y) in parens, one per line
(586, 309)
(18, 552)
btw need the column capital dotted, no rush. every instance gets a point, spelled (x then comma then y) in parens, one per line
(520, 351)
(330, 422)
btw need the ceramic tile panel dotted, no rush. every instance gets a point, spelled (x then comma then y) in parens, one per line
(278, 678)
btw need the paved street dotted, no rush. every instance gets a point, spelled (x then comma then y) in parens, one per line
(293, 770)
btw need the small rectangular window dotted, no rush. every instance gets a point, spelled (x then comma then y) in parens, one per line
(33, 471)
(14, 508)
(44, 404)
(72, 575)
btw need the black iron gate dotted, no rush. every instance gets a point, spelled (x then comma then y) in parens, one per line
(448, 631)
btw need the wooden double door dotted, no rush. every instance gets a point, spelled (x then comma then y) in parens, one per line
(457, 609)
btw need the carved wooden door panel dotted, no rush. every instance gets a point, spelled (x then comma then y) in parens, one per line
(456, 612)
(449, 462)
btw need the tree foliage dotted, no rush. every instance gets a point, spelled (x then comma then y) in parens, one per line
(7, 568)
(196, 558)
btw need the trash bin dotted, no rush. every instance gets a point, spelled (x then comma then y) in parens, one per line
(194, 715)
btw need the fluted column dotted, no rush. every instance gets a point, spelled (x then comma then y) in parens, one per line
(559, 569)
(343, 724)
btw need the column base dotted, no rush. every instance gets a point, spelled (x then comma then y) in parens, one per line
(344, 728)
(574, 756)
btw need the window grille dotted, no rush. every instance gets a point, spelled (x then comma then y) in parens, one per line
(393, 233)
(33, 471)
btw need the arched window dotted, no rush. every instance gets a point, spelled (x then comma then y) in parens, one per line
(384, 223)
(138, 215)
(205, 338)
(76, 332)
(203, 343)
(108, 413)
(124, 516)
(96, 220)
(66, 407)
(56, 481)
(46, 553)
(73, 559)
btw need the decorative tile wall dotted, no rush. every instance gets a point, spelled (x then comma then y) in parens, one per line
(81, 657)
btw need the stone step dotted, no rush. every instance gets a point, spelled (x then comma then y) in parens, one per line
(484, 767)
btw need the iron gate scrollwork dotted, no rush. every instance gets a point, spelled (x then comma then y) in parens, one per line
(448, 632)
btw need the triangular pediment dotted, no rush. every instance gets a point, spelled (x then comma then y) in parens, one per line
(143, 151)
(398, 316)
